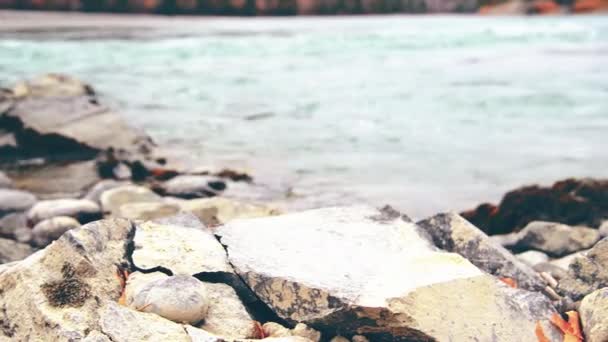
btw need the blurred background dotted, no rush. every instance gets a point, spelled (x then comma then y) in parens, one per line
(426, 112)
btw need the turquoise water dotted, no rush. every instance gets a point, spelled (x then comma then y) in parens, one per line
(426, 113)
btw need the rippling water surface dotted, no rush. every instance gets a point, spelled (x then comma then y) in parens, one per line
(427, 113)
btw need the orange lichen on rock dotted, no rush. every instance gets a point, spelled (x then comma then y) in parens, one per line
(509, 281)
(571, 328)
(122, 276)
(258, 330)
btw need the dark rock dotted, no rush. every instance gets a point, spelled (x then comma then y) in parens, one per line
(191, 186)
(571, 201)
(453, 233)
(11, 250)
(15, 201)
(555, 239)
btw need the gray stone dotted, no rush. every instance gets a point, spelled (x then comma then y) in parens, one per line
(11, 250)
(339, 339)
(95, 192)
(51, 229)
(111, 200)
(180, 298)
(556, 239)
(453, 233)
(358, 270)
(505, 240)
(603, 229)
(147, 210)
(11, 222)
(227, 316)
(82, 210)
(359, 338)
(587, 273)
(24, 235)
(594, 316)
(272, 329)
(191, 186)
(15, 201)
(533, 258)
(55, 293)
(182, 250)
(5, 182)
(565, 261)
(555, 271)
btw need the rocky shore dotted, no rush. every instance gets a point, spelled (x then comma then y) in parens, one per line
(110, 241)
(311, 7)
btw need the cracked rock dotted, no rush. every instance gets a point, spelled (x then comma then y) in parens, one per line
(352, 270)
(182, 250)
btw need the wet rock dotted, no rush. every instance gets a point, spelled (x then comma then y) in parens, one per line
(147, 210)
(182, 250)
(15, 201)
(217, 210)
(336, 269)
(192, 186)
(594, 316)
(180, 298)
(533, 258)
(571, 201)
(11, 222)
(94, 194)
(65, 284)
(5, 182)
(11, 250)
(453, 233)
(603, 229)
(82, 210)
(51, 229)
(111, 200)
(556, 239)
(587, 272)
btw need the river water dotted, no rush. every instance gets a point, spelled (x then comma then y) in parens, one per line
(427, 113)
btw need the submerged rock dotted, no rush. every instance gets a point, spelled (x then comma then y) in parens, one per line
(82, 210)
(453, 233)
(15, 201)
(357, 270)
(11, 250)
(192, 186)
(111, 200)
(556, 239)
(594, 316)
(51, 229)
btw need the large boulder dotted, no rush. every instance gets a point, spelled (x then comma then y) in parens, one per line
(453, 233)
(594, 316)
(55, 293)
(358, 270)
(555, 239)
(82, 210)
(56, 116)
(15, 201)
(11, 250)
(587, 272)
